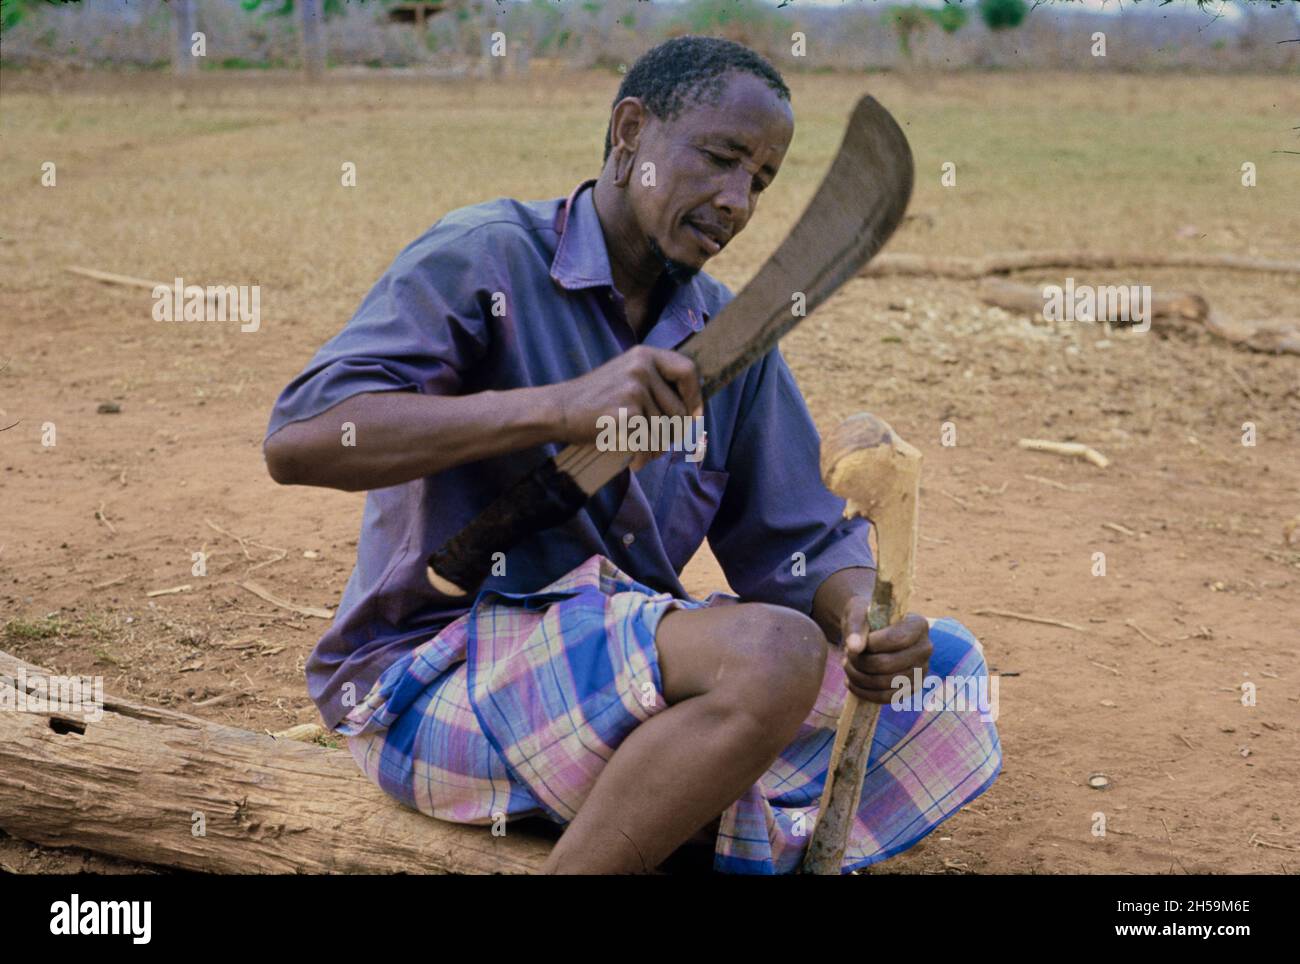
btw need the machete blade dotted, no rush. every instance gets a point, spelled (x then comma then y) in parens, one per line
(859, 204)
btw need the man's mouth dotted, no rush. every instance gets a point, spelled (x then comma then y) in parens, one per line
(711, 238)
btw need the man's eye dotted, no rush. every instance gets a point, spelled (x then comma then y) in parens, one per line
(718, 159)
(759, 186)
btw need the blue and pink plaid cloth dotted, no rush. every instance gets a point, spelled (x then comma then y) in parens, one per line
(514, 709)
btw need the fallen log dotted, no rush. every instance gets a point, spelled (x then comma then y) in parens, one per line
(890, 263)
(1275, 337)
(158, 786)
(1184, 309)
(1029, 300)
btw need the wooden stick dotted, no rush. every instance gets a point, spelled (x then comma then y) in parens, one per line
(169, 592)
(894, 263)
(259, 591)
(1142, 632)
(99, 514)
(1057, 485)
(1122, 530)
(1029, 619)
(109, 277)
(1066, 448)
(960, 501)
(878, 474)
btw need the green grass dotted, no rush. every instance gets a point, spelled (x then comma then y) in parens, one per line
(26, 631)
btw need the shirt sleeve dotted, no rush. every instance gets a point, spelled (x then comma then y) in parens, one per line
(779, 532)
(419, 329)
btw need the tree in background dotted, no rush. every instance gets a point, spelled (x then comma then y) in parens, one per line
(748, 22)
(912, 22)
(186, 22)
(949, 18)
(1003, 14)
(13, 11)
(311, 14)
(908, 22)
(1001, 17)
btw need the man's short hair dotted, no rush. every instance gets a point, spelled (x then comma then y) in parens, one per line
(688, 70)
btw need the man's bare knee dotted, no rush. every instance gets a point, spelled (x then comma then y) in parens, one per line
(786, 645)
(772, 669)
(754, 650)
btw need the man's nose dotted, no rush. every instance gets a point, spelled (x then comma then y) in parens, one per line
(734, 197)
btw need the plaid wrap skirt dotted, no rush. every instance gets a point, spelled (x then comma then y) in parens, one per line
(514, 709)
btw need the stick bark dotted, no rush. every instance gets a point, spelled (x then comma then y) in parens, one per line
(878, 474)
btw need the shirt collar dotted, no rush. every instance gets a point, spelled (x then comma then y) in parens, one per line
(582, 261)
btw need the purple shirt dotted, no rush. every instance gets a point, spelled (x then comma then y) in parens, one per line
(429, 326)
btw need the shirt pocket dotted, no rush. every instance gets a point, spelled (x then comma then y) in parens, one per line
(689, 501)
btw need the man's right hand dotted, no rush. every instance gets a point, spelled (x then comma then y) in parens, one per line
(397, 436)
(645, 381)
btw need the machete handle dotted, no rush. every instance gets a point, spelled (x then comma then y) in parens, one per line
(549, 495)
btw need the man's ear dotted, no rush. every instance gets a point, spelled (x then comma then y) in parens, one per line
(626, 127)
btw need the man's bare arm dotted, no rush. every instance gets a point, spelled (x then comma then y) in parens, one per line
(398, 436)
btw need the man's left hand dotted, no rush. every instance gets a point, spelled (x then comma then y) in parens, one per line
(873, 660)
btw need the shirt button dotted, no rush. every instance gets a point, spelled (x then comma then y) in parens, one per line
(628, 538)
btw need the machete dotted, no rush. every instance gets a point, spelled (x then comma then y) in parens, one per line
(858, 205)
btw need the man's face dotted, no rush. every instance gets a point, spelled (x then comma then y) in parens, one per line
(711, 164)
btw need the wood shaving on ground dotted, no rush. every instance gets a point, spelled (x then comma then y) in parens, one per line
(1076, 449)
(99, 514)
(1291, 532)
(1123, 530)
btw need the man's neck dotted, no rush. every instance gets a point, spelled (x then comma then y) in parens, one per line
(634, 268)
(642, 315)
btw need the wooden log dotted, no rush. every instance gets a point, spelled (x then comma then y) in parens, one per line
(1274, 336)
(139, 781)
(1029, 300)
(914, 264)
(1184, 309)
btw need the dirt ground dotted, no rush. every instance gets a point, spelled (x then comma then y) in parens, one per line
(237, 181)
